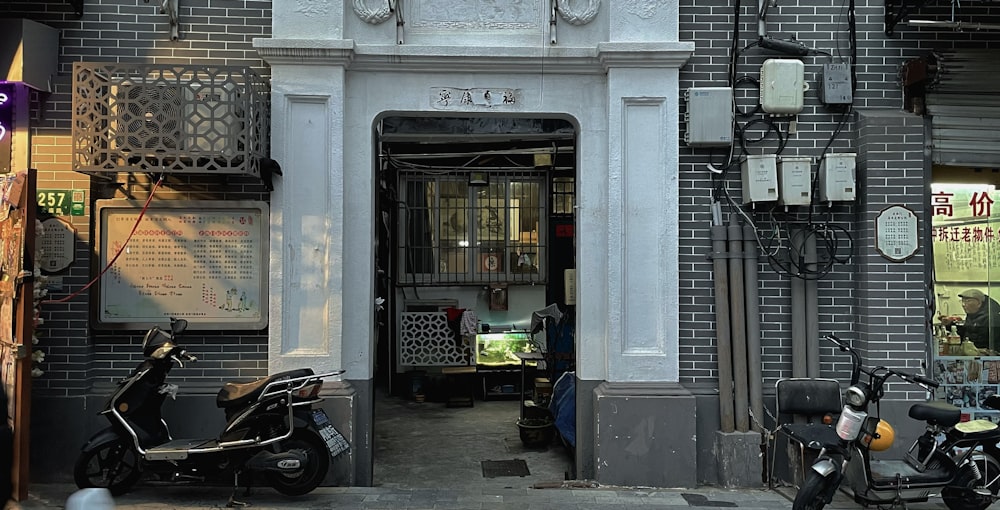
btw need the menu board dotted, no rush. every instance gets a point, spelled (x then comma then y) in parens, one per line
(204, 261)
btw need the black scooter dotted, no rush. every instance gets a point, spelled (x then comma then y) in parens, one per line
(960, 462)
(272, 429)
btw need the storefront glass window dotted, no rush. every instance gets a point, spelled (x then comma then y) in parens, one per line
(965, 236)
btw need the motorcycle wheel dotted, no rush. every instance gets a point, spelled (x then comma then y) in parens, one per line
(313, 471)
(815, 493)
(959, 495)
(113, 466)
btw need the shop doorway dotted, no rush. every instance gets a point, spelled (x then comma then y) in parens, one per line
(474, 248)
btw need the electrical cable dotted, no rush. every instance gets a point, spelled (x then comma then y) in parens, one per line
(756, 83)
(121, 249)
(771, 127)
(834, 244)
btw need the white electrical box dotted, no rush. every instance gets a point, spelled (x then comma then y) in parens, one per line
(836, 177)
(709, 117)
(795, 181)
(760, 178)
(782, 85)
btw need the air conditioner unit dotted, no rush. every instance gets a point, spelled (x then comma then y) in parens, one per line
(146, 118)
(198, 120)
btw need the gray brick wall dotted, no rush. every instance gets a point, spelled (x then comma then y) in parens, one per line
(221, 31)
(213, 32)
(890, 144)
(890, 323)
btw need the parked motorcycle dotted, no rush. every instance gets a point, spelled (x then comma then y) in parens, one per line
(958, 461)
(272, 430)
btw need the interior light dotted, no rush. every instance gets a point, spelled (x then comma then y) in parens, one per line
(479, 179)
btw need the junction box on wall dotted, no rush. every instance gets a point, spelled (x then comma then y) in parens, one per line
(760, 178)
(836, 177)
(709, 117)
(836, 84)
(795, 180)
(782, 86)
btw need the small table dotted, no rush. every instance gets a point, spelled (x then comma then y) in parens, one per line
(456, 386)
(526, 357)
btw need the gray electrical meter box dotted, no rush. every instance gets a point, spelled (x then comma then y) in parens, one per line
(836, 86)
(709, 117)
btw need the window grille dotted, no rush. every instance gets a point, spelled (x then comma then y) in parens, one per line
(454, 233)
(563, 196)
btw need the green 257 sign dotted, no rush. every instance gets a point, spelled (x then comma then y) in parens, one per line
(61, 202)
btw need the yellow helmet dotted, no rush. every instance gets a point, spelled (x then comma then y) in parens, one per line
(884, 436)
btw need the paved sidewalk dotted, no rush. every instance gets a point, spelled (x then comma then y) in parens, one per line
(569, 496)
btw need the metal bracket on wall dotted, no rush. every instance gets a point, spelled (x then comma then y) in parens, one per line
(896, 12)
(170, 8)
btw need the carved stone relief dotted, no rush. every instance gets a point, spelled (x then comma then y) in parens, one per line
(644, 9)
(312, 8)
(476, 14)
(382, 12)
(575, 15)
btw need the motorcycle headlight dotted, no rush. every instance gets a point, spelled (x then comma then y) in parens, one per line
(856, 396)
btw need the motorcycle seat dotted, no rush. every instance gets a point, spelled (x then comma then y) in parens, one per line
(975, 430)
(241, 394)
(936, 413)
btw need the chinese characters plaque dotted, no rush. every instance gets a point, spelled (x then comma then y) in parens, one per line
(203, 261)
(896, 233)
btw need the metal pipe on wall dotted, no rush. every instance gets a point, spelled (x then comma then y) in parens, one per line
(754, 370)
(739, 324)
(811, 309)
(722, 328)
(798, 310)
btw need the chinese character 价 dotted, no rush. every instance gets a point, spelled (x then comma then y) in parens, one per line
(466, 97)
(981, 203)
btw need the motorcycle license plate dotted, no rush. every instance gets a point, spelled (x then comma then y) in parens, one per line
(335, 441)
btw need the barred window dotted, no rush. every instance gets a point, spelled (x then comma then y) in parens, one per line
(460, 228)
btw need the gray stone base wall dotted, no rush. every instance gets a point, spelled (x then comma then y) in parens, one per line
(643, 435)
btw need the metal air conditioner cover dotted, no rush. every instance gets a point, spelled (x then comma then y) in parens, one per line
(200, 120)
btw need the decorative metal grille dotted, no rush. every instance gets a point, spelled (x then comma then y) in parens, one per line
(164, 118)
(426, 340)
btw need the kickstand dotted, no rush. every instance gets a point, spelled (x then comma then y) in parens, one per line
(233, 502)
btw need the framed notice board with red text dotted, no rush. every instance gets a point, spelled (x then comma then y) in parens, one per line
(204, 261)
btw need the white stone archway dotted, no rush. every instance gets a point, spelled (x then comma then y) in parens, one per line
(327, 90)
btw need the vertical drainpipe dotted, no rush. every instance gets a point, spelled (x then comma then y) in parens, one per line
(738, 324)
(811, 310)
(755, 372)
(721, 278)
(798, 288)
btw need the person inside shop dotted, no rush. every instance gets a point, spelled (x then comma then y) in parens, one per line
(982, 320)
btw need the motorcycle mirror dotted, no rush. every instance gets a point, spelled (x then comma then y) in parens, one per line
(178, 325)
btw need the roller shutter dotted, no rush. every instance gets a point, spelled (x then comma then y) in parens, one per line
(963, 102)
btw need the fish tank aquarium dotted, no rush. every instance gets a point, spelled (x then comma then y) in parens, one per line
(496, 349)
